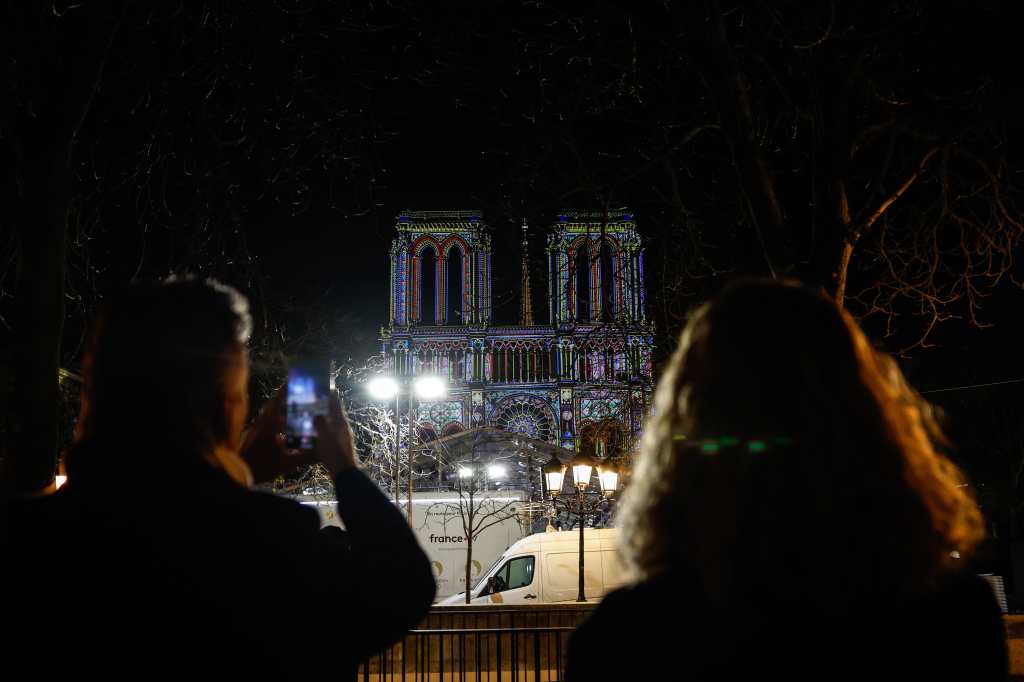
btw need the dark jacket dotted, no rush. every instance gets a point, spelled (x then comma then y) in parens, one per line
(144, 574)
(665, 629)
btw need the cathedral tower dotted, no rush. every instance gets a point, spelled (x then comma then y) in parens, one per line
(581, 381)
(440, 269)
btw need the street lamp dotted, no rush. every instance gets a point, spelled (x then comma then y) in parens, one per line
(582, 468)
(554, 474)
(383, 388)
(608, 475)
(429, 388)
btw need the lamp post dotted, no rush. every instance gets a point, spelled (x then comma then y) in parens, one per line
(383, 388)
(582, 468)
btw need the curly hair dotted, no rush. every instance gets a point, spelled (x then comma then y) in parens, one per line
(780, 439)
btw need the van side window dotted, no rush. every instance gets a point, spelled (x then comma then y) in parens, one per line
(520, 572)
(517, 572)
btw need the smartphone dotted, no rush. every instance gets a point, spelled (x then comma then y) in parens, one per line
(308, 389)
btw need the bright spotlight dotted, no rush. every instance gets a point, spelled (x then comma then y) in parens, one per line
(429, 388)
(382, 388)
(496, 472)
(465, 472)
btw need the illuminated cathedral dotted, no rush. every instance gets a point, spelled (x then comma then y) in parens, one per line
(580, 380)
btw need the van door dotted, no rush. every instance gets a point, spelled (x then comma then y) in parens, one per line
(513, 583)
(613, 570)
(562, 576)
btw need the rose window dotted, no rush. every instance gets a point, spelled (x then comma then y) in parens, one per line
(526, 415)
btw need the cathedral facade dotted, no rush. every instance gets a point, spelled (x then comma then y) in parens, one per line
(580, 379)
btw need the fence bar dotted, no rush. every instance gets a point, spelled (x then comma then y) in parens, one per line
(498, 658)
(536, 657)
(441, 652)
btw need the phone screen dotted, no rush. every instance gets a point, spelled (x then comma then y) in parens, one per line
(308, 389)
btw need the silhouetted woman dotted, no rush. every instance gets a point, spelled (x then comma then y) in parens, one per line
(791, 516)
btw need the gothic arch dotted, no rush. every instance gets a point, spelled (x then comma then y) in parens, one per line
(581, 261)
(430, 266)
(426, 245)
(580, 241)
(454, 284)
(452, 428)
(425, 433)
(424, 241)
(454, 240)
(607, 276)
(603, 438)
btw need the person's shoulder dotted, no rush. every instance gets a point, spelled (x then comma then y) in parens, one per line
(637, 601)
(629, 597)
(18, 513)
(963, 619)
(955, 610)
(261, 507)
(284, 507)
(41, 532)
(964, 589)
(643, 607)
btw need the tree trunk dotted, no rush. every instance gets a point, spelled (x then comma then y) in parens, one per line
(33, 420)
(469, 562)
(57, 66)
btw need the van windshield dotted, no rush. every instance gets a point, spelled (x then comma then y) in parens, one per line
(484, 574)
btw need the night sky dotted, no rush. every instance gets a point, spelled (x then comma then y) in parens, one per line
(462, 127)
(271, 146)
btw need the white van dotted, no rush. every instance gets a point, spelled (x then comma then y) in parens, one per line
(439, 531)
(543, 568)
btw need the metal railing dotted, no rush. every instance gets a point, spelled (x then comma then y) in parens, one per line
(509, 643)
(473, 655)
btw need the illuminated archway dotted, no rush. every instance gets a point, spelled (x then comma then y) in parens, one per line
(606, 262)
(453, 286)
(428, 285)
(582, 280)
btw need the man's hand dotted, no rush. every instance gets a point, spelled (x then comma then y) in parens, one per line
(335, 444)
(263, 446)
